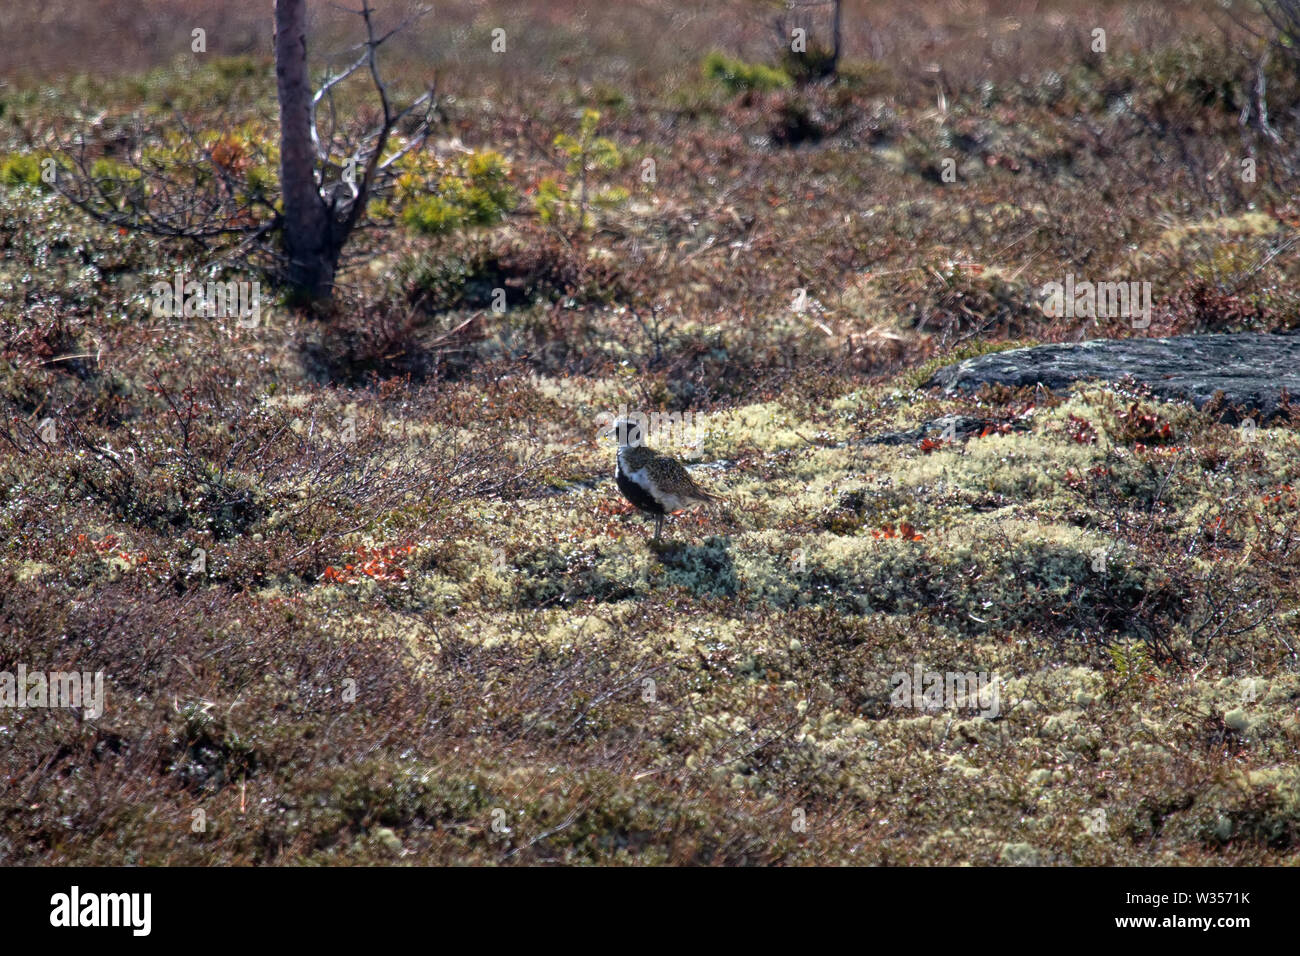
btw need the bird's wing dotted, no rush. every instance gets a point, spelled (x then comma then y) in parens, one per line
(678, 480)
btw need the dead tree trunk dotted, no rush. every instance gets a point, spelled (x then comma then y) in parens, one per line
(323, 199)
(836, 34)
(310, 246)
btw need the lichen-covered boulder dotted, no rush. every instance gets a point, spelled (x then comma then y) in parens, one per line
(1252, 370)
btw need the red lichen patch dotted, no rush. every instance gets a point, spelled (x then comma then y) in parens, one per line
(1144, 428)
(904, 531)
(385, 563)
(1081, 430)
(1000, 428)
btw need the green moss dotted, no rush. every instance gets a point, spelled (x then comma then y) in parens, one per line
(474, 192)
(21, 169)
(738, 75)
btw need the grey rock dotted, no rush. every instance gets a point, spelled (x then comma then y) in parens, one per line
(960, 427)
(1252, 370)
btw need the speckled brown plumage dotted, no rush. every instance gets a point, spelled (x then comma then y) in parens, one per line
(655, 483)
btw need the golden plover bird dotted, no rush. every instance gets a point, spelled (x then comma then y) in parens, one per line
(654, 483)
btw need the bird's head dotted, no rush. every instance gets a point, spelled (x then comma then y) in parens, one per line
(629, 432)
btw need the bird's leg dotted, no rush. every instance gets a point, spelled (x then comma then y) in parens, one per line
(659, 523)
